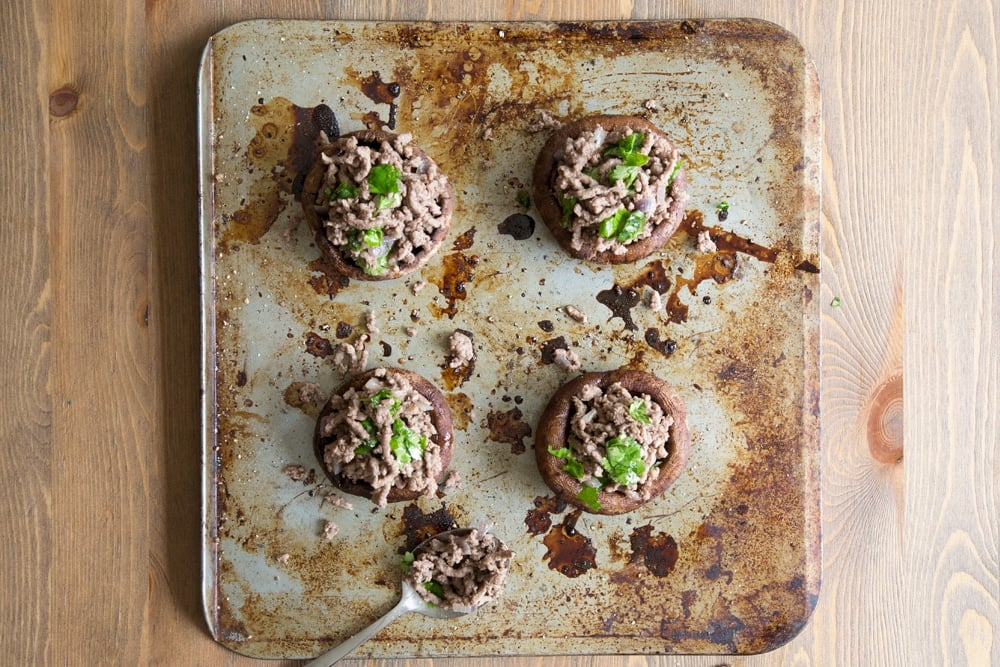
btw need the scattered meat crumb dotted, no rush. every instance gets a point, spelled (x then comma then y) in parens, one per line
(330, 530)
(296, 473)
(370, 324)
(283, 558)
(705, 242)
(488, 134)
(566, 359)
(576, 314)
(336, 501)
(453, 480)
(461, 349)
(411, 331)
(544, 121)
(311, 393)
(417, 286)
(651, 105)
(652, 298)
(351, 358)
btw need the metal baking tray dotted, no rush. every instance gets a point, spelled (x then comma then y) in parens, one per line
(727, 561)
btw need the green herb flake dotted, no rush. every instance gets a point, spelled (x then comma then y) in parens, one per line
(405, 445)
(593, 172)
(723, 206)
(627, 145)
(435, 588)
(836, 302)
(380, 266)
(675, 171)
(381, 395)
(567, 204)
(343, 191)
(624, 462)
(572, 466)
(637, 411)
(371, 443)
(623, 226)
(627, 174)
(589, 495)
(523, 199)
(406, 562)
(383, 179)
(384, 202)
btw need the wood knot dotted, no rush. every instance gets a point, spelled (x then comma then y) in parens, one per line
(885, 421)
(63, 102)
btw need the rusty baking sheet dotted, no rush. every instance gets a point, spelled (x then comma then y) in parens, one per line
(728, 560)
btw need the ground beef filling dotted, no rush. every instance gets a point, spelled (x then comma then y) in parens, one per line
(616, 440)
(606, 197)
(383, 435)
(460, 571)
(380, 205)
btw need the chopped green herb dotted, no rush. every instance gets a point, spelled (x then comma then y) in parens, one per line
(383, 179)
(387, 201)
(674, 171)
(573, 466)
(567, 204)
(624, 462)
(405, 444)
(637, 411)
(593, 172)
(836, 302)
(368, 445)
(358, 239)
(627, 145)
(435, 588)
(407, 560)
(343, 191)
(589, 495)
(623, 226)
(723, 206)
(381, 395)
(380, 266)
(627, 174)
(523, 199)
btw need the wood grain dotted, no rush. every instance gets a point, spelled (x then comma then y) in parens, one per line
(99, 325)
(25, 343)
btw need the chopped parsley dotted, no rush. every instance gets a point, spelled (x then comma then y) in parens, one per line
(435, 588)
(836, 302)
(371, 443)
(589, 495)
(381, 395)
(383, 182)
(623, 226)
(627, 149)
(380, 266)
(358, 239)
(723, 206)
(405, 445)
(624, 462)
(674, 171)
(637, 411)
(567, 204)
(407, 561)
(573, 466)
(342, 191)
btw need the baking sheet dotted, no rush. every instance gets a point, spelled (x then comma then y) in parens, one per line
(728, 559)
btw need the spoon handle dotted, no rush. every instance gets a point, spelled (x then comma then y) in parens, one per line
(341, 650)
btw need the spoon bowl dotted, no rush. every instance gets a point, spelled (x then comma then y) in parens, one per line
(409, 600)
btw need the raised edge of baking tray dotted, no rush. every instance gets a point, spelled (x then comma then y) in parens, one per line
(727, 561)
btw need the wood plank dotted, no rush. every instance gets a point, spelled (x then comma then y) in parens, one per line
(101, 350)
(25, 340)
(953, 309)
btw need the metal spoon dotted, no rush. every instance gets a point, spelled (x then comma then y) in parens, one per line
(409, 601)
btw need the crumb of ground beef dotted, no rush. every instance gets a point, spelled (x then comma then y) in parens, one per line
(544, 121)
(705, 242)
(283, 558)
(296, 473)
(370, 324)
(461, 349)
(651, 105)
(411, 331)
(575, 313)
(469, 569)
(652, 298)
(417, 286)
(336, 501)
(453, 480)
(351, 358)
(330, 530)
(566, 359)
(311, 393)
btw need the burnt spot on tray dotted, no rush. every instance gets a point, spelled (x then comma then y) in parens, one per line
(326, 280)
(296, 395)
(620, 301)
(508, 428)
(569, 551)
(344, 329)
(519, 226)
(464, 240)
(461, 410)
(458, 271)
(666, 347)
(539, 517)
(547, 326)
(657, 552)
(550, 346)
(807, 266)
(318, 346)
(418, 526)
(721, 630)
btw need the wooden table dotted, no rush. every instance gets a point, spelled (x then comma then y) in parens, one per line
(99, 337)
